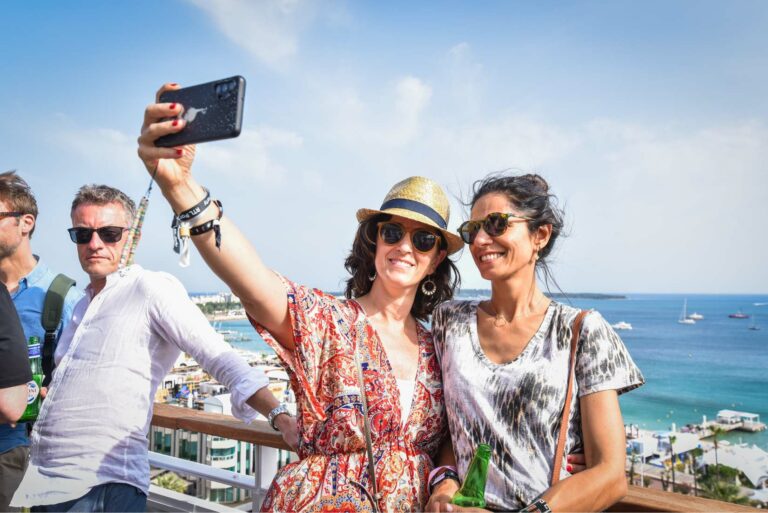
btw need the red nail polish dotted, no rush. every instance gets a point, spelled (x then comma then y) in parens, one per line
(173, 106)
(173, 84)
(569, 468)
(179, 152)
(175, 122)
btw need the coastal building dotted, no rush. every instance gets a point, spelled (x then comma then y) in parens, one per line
(220, 453)
(742, 419)
(217, 297)
(683, 442)
(751, 461)
(187, 385)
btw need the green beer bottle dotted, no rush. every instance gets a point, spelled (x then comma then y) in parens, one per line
(472, 491)
(33, 387)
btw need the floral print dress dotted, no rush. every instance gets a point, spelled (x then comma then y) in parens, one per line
(333, 467)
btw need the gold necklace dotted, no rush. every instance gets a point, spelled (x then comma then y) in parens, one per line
(498, 318)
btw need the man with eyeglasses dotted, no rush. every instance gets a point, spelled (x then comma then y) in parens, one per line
(28, 279)
(89, 444)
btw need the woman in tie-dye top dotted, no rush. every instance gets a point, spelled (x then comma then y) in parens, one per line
(505, 365)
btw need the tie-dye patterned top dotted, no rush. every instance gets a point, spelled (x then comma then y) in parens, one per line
(516, 407)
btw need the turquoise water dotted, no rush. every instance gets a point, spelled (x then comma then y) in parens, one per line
(690, 370)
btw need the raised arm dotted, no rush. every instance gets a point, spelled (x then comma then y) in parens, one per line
(236, 262)
(603, 482)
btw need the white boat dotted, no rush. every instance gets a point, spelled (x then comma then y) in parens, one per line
(684, 319)
(696, 316)
(621, 325)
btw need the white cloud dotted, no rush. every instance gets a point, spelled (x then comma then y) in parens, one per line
(465, 78)
(387, 119)
(248, 159)
(268, 29)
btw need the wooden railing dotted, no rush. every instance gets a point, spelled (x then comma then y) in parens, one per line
(259, 433)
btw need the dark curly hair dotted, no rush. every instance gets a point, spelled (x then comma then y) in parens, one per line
(529, 194)
(360, 264)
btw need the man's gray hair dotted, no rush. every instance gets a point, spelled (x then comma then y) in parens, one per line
(93, 194)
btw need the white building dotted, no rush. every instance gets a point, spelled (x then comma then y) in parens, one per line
(222, 453)
(751, 461)
(735, 417)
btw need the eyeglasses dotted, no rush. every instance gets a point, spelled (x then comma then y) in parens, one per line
(108, 234)
(494, 224)
(422, 240)
(11, 214)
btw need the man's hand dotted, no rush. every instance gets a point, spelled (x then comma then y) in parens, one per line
(287, 426)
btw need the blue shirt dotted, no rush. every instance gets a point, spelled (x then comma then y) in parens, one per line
(28, 300)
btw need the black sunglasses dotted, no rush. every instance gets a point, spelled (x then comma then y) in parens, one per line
(494, 225)
(108, 234)
(11, 214)
(422, 240)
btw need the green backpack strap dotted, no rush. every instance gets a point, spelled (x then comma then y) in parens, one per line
(53, 306)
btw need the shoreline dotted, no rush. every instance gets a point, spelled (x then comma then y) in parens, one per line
(225, 317)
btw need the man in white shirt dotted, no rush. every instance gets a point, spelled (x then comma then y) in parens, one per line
(89, 444)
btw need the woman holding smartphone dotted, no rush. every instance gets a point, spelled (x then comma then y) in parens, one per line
(506, 361)
(400, 272)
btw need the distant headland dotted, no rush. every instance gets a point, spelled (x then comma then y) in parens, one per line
(477, 293)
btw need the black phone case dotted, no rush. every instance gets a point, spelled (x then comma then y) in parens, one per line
(213, 111)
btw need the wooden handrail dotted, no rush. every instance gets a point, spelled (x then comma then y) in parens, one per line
(216, 424)
(647, 499)
(260, 433)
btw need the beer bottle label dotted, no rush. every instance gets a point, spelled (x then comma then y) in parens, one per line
(33, 390)
(34, 350)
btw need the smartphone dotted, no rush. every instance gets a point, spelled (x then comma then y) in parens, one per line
(213, 111)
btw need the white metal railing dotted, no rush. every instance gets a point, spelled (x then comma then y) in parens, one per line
(192, 468)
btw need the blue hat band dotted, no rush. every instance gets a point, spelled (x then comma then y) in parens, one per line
(419, 208)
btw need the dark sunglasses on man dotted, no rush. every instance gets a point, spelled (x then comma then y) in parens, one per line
(107, 234)
(11, 214)
(422, 240)
(494, 224)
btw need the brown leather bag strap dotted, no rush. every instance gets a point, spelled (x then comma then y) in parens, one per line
(575, 332)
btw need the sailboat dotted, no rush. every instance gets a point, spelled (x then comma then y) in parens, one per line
(753, 326)
(684, 319)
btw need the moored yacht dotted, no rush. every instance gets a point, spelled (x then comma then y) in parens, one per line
(684, 319)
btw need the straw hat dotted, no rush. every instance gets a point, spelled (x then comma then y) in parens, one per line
(422, 200)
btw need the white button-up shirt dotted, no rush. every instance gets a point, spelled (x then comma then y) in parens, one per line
(120, 344)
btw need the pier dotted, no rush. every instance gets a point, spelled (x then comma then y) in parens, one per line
(730, 420)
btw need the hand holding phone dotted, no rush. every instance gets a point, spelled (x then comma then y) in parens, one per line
(212, 111)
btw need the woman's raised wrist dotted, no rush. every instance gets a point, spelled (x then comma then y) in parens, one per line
(184, 196)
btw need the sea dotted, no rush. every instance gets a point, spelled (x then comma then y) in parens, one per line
(691, 370)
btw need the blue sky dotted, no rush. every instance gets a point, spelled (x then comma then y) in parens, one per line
(649, 119)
